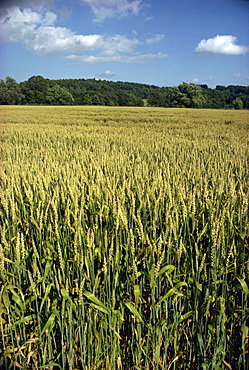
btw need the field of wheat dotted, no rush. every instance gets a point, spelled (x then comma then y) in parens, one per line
(124, 238)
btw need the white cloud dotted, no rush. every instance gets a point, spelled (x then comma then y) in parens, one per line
(36, 30)
(39, 34)
(236, 74)
(49, 18)
(118, 43)
(107, 74)
(148, 19)
(225, 44)
(154, 39)
(18, 25)
(103, 9)
(37, 4)
(137, 59)
(196, 80)
(57, 40)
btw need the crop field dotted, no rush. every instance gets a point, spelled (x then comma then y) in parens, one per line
(124, 238)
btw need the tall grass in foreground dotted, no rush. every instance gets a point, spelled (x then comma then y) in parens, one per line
(124, 239)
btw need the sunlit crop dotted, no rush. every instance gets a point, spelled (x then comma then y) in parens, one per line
(124, 238)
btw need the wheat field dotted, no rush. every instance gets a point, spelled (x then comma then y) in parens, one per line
(124, 238)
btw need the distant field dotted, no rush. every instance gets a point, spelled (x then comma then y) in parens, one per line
(124, 238)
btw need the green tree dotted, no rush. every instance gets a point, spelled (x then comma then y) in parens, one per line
(35, 90)
(57, 95)
(245, 100)
(192, 95)
(237, 103)
(173, 97)
(126, 98)
(96, 99)
(156, 99)
(110, 96)
(87, 99)
(10, 91)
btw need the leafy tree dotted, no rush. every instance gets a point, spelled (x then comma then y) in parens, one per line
(110, 97)
(10, 91)
(97, 92)
(87, 100)
(126, 98)
(245, 100)
(57, 95)
(139, 102)
(96, 99)
(237, 103)
(157, 99)
(174, 97)
(193, 97)
(214, 98)
(35, 90)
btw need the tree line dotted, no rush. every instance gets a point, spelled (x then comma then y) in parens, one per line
(40, 91)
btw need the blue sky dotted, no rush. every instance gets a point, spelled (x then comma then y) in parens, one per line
(155, 42)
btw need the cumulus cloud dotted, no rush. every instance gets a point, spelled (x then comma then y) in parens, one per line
(107, 74)
(57, 40)
(224, 44)
(103, 9)
(155, 39)
(136, 59)
(196, 80)
(18, 25)
(37, 31)
(38, 5)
